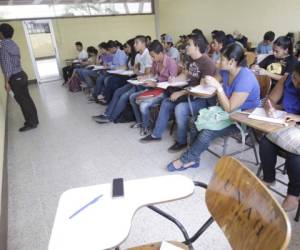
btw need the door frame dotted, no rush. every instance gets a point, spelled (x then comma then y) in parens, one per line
(54, 44)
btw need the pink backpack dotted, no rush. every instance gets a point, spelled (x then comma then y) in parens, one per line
(74, 84)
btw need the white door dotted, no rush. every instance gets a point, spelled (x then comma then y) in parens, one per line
(43, 50)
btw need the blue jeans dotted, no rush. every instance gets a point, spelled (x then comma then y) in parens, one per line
(87, 76)
(135, 106)
(112, 85)
(202, 141)
(120, 100)
(143, 114)
(182, 115)
(100, 83)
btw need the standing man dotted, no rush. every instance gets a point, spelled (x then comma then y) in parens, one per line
(15, 78)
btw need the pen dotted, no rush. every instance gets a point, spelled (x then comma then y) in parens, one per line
(85, 206)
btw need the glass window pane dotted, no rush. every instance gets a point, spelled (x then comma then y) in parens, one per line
(71, 9)
(25, 11)
(133, 7)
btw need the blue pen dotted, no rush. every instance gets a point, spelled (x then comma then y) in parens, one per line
(85, 206)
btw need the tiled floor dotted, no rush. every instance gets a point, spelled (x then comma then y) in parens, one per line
(69, 150)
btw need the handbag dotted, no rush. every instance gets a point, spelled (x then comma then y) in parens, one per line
(213, 118)
(287, 139)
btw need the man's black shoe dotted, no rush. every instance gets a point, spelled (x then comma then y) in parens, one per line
(149, 138)
(176, 147)
(27, 127)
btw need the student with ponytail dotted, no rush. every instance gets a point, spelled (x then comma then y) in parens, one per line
(282, 61)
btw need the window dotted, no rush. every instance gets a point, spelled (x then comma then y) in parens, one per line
(64, 8)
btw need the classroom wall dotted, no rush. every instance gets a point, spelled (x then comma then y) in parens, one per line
(251, 17)
(93, 30)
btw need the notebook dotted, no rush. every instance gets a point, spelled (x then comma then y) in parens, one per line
(98, 67)
(165, 85)
(201, 89)
(167, 246)
(121, 72)
(141, 82)
(260, 114)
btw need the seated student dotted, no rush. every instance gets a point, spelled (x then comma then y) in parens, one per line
(103, 58)
(297, 48)
(239, 37)
(82, 56)
(284, 96)
(282, 61)
(162, 38)
(200, 65)
(148, 40)
(142, 66)
(92, 54)
(240, 90)
(217, 44)
(115, 81)
(163, 67)
(119, 61)
(171, 51)
(266, 46)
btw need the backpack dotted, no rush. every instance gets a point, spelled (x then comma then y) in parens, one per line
(126, 116)
(74, 84)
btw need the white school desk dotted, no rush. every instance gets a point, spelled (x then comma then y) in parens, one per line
(106, 223)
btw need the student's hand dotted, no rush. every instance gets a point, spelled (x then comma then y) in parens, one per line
(171, 79)
(175, 96)
(269, 108)
(292, 118)
(255, 67)
(7, 87)
(211, 81)
(263, 72)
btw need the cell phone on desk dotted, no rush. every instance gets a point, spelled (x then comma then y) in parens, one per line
(118, 187)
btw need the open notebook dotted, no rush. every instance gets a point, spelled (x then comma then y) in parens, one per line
(141, 82)
(260, 114)
(165, 85)
(201, 89)
(121, 72)
(98, 67)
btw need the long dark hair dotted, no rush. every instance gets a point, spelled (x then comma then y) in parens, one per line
(131, 56)
(285, 42)
(236, 52)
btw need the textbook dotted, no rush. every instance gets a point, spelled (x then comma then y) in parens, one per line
(165, 85)
(202, 89)
(260, 114)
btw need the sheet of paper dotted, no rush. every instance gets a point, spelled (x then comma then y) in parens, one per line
(168, 246)
(98, 67)
(138, 82)
(121, 72)
(200, 89)
(260, 114)
(165, 85)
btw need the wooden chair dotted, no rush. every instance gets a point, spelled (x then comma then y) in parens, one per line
(250, 58)
(265, 83)
(242, 206)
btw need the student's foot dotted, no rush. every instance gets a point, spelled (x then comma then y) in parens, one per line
(92, 99)
(145, 131)
(176, 147)
(102, 102)
(269, 184)
(27, 127)
(102, 121)
(102, 116)
(290, 203)
(178, 165)
(149, 138)
(100, 97)
(136, 125)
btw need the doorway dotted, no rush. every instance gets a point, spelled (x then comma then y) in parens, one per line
(43, 50)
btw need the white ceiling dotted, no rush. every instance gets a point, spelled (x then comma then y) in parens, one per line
(28, 2)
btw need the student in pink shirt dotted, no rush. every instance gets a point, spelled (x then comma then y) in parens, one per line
(163, 67)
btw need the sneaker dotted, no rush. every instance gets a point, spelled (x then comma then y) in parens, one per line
(176, 147)
(136, 125)
(149, 138)
(145, 131)
(92, 99)
(102, 116)
(102, 120)
(100, 97)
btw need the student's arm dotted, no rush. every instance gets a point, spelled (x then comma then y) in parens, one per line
(276, 94)
(272, 75)
(228, 104)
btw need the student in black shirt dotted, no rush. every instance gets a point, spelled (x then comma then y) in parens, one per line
(282, 61)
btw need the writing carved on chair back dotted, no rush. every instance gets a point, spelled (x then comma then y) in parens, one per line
(245, 210)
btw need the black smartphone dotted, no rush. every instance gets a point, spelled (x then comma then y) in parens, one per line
(118, 187)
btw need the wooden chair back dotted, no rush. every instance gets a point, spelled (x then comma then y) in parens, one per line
(245, 210)
(250, 58)
(265, 83)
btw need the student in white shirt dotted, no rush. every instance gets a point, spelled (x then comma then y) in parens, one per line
(83, 55)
